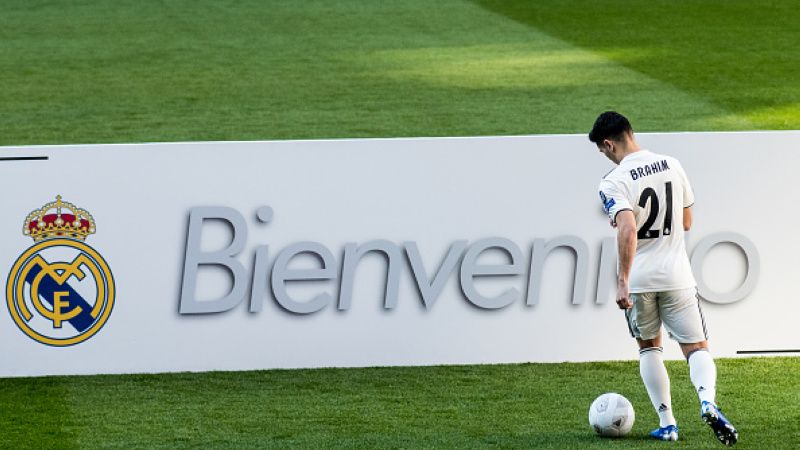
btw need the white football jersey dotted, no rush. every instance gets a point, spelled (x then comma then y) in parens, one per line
(656, 189)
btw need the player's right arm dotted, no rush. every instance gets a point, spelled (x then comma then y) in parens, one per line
(626, 250)
(617, 205)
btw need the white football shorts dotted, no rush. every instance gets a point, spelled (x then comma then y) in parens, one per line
(679, 311)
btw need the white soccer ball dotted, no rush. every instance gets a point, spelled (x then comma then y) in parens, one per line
(611, 415)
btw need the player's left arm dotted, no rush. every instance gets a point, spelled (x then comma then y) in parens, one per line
(688, 198)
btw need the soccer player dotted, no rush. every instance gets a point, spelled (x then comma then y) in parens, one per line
(648, 200)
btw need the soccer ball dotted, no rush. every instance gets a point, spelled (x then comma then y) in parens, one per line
(611, 415)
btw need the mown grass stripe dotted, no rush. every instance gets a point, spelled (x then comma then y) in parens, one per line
(732, 54)
(34, 413)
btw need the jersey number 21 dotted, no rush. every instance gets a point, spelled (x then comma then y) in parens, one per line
(649, 195)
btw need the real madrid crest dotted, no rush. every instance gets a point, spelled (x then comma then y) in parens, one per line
(60, 291)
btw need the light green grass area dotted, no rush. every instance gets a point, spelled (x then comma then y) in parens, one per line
(499, 406)
(134, 71)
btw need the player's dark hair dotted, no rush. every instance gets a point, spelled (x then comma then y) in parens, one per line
(609, 125)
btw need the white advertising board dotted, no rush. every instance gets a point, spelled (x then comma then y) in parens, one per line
(257, 255)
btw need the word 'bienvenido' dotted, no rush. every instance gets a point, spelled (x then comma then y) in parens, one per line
(462, 257)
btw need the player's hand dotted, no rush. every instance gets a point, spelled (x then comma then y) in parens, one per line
(623, 296)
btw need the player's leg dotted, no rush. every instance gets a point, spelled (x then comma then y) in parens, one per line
(703, 373)
(702, 370)
(656, 381)
(683, 318)
(645, 325)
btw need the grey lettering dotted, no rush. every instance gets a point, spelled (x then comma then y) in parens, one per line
(751, 258)
(430, 290)
(273, 283)
(607, 271)
(282, 274)
(471, 269)
(225, 257)
(539, 252)
(259, 286)
(353, 254)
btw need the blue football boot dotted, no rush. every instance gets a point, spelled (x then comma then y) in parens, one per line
(667, 433)
(723, 429)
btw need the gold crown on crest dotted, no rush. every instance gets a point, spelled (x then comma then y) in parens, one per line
(51, 221)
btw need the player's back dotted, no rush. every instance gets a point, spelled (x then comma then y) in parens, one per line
(656, 189)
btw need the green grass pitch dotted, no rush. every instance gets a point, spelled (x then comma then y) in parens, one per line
(141, 71)
(500, 406)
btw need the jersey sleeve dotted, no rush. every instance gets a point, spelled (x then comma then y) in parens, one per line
(613, 198)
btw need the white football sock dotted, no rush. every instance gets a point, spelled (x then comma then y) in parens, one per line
(703, 373)
(656, 380)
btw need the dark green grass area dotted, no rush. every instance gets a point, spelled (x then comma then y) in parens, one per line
(501, 406)
(134, 71)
